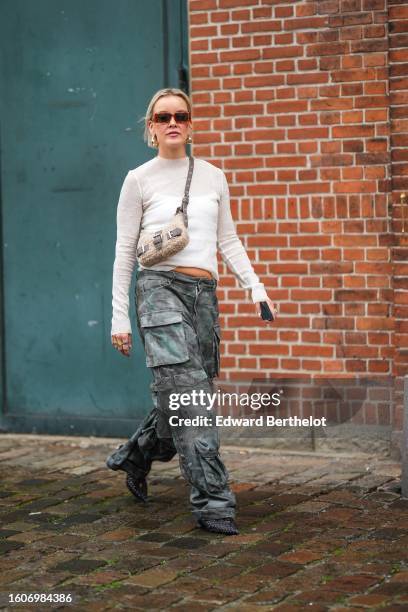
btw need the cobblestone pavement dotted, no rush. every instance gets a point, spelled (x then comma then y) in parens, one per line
(318, 532)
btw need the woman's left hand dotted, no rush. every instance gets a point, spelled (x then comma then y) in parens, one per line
(271, 306)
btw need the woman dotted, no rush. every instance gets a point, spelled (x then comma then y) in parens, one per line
(177, 310)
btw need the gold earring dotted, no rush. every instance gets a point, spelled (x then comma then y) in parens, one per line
(189, 139)
(154, 141)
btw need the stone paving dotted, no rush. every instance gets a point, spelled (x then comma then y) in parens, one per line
(318, 532)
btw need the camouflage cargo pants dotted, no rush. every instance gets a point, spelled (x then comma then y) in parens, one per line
(177, 318)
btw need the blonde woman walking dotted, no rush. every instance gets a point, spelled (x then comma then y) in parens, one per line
(177, 309)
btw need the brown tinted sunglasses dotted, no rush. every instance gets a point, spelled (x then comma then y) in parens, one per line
(164, 117)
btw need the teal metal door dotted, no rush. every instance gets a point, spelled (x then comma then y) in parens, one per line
(75, 79)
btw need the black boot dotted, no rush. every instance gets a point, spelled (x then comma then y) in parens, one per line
(226, 526)
(138, 487)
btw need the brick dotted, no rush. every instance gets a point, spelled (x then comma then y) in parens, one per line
(351, 583)
(79, 566)
(152, 578)
(276, 569)
(202, 5)
(369, 600)
(400, 577)
(301, 557)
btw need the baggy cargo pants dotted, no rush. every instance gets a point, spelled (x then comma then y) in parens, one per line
(177, 318)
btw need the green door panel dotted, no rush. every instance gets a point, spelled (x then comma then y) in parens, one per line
(75, 78)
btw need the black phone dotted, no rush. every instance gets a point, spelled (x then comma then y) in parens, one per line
(266, 312)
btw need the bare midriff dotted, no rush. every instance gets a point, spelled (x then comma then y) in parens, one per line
(193, 271)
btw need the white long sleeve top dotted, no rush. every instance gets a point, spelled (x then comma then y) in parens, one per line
(148, 200)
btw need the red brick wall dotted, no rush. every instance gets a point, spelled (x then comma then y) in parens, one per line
(398, 87)
(291, 100)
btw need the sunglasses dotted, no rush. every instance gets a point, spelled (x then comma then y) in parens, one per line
(164, 117)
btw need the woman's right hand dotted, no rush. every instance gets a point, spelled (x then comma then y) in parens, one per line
(123, 343)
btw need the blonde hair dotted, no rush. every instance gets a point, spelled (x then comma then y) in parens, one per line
(169, 91)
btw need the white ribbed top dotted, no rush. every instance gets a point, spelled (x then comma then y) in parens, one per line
(148, 199)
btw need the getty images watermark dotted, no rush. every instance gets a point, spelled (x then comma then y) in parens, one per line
(254, 401)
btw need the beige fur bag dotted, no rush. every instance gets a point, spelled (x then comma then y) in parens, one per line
(154, 247)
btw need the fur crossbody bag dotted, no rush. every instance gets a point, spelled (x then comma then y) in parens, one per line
(154, 247)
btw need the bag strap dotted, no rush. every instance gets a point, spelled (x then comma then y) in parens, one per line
(185, 200)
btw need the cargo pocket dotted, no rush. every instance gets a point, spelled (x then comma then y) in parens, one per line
(214, 475)
(164, 338)
(217, 352)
